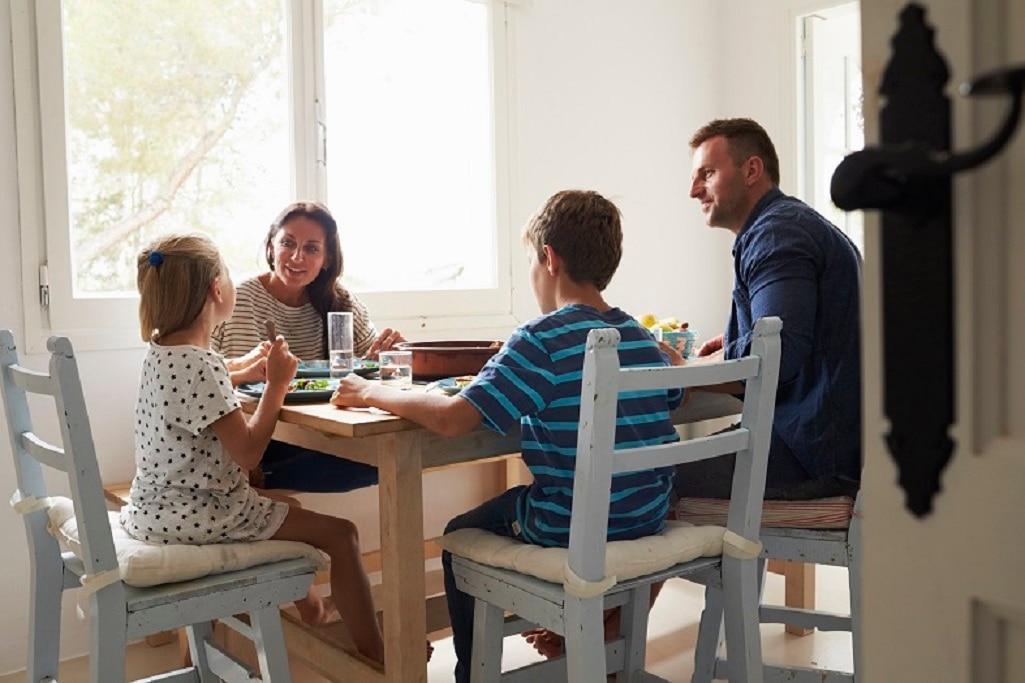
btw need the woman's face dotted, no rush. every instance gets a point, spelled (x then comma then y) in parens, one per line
(300, 252)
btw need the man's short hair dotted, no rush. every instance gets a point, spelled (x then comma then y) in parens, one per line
(746, 139)
(584, 229)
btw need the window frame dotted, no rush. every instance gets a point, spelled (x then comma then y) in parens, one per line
(100, 323)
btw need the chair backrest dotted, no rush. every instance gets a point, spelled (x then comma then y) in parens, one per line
(75, 456)
(603, 381)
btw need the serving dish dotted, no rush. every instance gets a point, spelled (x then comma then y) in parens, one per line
(439, 359)
(297, 394)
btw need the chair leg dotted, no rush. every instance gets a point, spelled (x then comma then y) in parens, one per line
(854, 584)
(633, 628)
(269, 639)
(741, 590)
(199, 635)
(45, 619)
(107, 635)
(486, 662)
(585, 639)
(710, 636)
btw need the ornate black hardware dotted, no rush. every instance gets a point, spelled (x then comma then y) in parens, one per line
(909, 178)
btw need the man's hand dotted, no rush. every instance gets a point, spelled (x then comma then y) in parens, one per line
(712, 345)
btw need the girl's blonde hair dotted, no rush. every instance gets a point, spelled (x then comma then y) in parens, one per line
(174, 277)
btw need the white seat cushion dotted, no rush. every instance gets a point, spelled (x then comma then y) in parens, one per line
(624, 560)
(151, 564)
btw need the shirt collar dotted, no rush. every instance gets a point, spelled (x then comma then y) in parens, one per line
(761, 205)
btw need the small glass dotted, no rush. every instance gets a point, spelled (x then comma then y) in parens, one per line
(396, 369)
(339, 343)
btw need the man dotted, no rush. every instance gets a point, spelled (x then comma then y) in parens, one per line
(789, 262)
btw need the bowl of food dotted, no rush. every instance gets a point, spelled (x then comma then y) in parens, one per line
(683, 341)
(437, 359)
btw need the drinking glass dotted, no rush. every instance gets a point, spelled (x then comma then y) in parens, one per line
(396, 369)
(339, 343)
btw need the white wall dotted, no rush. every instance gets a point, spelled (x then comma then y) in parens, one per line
(606, 95)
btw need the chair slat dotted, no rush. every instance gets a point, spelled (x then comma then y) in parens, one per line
(693, 375)
(32, 381)
(692, 450)
(44, 452)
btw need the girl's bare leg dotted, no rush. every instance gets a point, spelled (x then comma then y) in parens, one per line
(350, 587)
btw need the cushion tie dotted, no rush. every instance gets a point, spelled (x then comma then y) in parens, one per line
(92, 583)
(26, 504)
(582, 588)
(736, 546)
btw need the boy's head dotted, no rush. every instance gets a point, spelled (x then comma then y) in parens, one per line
(175, 273)
(584, 229)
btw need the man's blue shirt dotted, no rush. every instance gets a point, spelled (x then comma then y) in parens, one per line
(791, 262)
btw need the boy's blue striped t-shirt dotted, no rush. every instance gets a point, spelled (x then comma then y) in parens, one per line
(535, 380)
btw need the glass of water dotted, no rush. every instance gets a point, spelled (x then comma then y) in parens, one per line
(339, 343)
(396, 369)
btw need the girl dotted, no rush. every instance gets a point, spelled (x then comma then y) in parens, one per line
(194, 445)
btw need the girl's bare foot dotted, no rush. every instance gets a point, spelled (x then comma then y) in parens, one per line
(315, 610)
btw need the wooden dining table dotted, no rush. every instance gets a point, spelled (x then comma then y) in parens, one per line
(401, 450)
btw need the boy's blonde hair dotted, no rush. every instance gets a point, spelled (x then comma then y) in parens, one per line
(174, 277)
(584, 229)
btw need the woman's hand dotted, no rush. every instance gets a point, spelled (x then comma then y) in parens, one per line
(256, 371)
(385, 341)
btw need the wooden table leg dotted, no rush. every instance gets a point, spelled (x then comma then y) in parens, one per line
(402, 558)
(799, 582)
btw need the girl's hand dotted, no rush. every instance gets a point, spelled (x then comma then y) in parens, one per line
(351, 392)
(281, 364)
(385, 341)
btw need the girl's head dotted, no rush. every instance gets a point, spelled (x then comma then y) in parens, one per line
(302, 250)
(175, 274)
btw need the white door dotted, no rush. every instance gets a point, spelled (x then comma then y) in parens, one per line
(944, 596)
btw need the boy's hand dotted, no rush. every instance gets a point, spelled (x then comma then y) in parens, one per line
(674, 356)
(351, 392)
(281, 364)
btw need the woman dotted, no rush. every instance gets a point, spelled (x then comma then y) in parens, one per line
(305, 259)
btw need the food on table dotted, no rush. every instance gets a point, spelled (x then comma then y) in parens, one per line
(308, 385)
(669, 324)
(464, 381)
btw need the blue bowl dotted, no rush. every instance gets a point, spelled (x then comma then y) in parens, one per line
(682, 342)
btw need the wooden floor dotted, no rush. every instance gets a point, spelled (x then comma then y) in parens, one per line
(670, 648)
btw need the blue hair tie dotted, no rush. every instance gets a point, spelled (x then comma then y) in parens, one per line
(155, 258)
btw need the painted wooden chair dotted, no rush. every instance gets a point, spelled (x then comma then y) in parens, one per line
(592, 580)
(118, 612)
(835, 547)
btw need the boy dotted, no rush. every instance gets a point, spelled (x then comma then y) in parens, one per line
(574, 245)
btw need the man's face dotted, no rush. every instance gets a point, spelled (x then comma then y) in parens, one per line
(719, 185)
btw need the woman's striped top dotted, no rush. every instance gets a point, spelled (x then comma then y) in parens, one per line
(535, 381)
(302, 326)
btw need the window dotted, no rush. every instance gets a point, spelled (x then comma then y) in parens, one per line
(158, 117)
(830, 108)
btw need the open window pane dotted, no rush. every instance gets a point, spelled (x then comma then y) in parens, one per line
(410, 156)
(176, 120)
